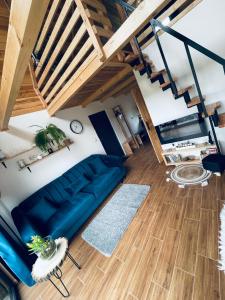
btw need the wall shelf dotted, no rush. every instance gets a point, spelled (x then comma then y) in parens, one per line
(45, 155)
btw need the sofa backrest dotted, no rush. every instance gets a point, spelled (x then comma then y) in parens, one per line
(55, 191)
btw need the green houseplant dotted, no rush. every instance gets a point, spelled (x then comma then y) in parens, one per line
(44, 247)
(45, 136)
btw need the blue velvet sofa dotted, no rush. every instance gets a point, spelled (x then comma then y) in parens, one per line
(61, 207)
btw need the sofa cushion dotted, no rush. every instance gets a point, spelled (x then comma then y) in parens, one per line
(78, 197)
(81, 169)
(87, 171)
(41, 211)
(102, 184)
(67, 215)
(77, 185)
(55, 190)
(72, 174)
(98, 165)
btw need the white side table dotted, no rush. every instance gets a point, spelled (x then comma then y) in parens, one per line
(43, 269)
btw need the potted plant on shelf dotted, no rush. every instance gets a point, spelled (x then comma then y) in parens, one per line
(45, 138)
(43, 247)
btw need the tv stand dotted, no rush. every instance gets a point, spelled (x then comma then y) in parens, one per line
(188, 155)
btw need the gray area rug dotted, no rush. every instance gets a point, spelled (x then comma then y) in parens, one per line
(108, 227)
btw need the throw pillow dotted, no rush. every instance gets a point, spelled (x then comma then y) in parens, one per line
(77, 185)
(98, 165)
(41, 211)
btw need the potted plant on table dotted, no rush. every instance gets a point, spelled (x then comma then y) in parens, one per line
(43, 247)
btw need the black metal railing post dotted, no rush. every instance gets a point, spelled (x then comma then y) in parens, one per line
(214, 134)
(195, 79)
(173, 85)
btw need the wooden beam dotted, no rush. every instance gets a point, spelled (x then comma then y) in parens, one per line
(62, 16)
(48, 21)
(25, 22)
(76, 40)
(26, 110)
(76, 60)
(81, 5)
(67, 31)
(140, 102)
(166, 14)
(126, 89)
(142, 14)
(123, 17)
(35, 85)
(119, 76)
(145, 11)
(119, 88)
(117, 64)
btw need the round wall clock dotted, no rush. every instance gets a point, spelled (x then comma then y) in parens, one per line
(76, 126)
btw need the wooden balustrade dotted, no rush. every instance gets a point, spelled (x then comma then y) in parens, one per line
(71, 34)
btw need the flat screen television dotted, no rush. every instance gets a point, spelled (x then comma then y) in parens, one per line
(186, 128)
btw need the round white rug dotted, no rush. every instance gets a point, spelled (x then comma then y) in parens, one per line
(192, 174)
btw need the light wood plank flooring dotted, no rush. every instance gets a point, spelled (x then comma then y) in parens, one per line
(169, 252)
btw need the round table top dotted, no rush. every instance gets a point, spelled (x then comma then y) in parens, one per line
(43, 268)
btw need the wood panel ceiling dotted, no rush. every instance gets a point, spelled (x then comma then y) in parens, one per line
(28, 99)
(100, 80)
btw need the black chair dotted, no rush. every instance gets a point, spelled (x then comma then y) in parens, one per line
(214, 163)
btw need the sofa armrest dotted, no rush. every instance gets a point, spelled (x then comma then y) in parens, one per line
(25, 227)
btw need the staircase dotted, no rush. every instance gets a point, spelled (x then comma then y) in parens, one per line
(167, 81)
(29, 99)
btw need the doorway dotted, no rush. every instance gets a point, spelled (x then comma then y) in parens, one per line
(106, 134)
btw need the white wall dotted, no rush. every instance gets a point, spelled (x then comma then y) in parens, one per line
(16, 185)
(205, 24)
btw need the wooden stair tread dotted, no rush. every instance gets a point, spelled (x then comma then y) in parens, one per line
(156, 74)
(194, 101)
(222, 120)
(139, 67)
(211, 108)
(184, 90)
(165, 84)
(131, 57)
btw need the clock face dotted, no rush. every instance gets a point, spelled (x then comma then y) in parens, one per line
(76, 126)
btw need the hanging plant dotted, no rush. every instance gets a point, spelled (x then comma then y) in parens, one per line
(45, 136)
(42, 140)
(56, 133)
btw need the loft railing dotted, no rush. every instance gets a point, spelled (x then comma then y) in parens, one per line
(74, 32)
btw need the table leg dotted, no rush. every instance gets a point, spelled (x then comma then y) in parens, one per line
(73, 260)
(58, 276)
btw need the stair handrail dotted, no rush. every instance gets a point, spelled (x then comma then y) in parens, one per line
(155, 23)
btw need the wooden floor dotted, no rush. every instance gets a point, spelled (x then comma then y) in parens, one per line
(169, 252)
